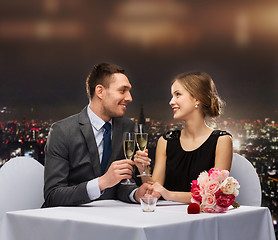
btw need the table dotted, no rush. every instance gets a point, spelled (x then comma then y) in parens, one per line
(111, 220)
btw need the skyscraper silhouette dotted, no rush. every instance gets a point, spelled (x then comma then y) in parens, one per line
(142, 119)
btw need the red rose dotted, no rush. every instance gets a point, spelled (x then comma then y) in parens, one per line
(224, 200)
(194, 184)
(193, 208)
(195, 191)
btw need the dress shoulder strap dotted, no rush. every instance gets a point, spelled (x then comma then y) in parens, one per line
(221, 133)
(172, 135)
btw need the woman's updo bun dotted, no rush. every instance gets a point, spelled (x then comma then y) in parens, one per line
(216, 106)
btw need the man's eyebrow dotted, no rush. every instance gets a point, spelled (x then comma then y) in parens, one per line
(125, 87)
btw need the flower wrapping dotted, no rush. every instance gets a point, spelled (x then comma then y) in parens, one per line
(214, 191)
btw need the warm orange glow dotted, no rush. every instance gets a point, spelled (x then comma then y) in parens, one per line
(41, 30)
(150, 23)
(274, 179)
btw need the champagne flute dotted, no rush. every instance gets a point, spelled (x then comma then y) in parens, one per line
(129, 148)
(142, 141)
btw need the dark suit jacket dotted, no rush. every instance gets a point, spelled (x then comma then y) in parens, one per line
(72, 159)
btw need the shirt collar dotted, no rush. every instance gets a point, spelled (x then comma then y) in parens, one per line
(95, 120)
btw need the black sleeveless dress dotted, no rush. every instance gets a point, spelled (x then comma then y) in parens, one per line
(184, 166)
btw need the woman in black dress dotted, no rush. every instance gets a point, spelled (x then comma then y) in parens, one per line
(182, 155)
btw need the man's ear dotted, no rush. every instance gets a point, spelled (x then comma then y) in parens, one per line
(99, 91)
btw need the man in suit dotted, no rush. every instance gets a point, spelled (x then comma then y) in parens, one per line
(75, 169)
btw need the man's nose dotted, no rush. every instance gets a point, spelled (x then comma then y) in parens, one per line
(128, 97)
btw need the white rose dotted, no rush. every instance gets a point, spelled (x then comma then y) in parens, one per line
(230, 186)
(203, 179)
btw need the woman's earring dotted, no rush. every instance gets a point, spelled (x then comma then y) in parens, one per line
(196, 106)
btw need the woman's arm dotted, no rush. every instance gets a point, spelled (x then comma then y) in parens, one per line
(160, 161)
(158, 176)
(183, 197)
(224, 153)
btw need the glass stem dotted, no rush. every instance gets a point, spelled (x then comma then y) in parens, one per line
(143, 165)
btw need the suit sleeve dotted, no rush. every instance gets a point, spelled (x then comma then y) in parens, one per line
(57, 191)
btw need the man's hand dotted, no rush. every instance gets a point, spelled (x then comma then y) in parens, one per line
(118, 170)
(141, 191)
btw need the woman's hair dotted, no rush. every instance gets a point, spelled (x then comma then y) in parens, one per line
(201, 86)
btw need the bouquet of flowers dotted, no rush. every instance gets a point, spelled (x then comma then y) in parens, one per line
(214, 191)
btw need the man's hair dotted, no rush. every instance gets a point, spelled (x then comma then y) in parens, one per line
(100, 74)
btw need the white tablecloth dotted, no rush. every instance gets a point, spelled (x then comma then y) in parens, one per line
(113, 220)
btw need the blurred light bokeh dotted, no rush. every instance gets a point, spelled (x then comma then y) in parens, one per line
(47, 48)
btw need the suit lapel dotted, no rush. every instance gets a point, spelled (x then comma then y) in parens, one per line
(86, 129)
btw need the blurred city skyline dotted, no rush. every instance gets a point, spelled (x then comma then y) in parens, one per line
(47, 48)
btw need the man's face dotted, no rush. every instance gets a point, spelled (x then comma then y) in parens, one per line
(116, 96)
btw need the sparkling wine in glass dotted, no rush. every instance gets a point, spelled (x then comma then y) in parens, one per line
(142, 141)
(129, 148)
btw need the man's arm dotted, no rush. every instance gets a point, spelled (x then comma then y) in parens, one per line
(57, 191)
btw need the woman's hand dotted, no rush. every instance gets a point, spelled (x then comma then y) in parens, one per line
(158, 188)
(141, 159)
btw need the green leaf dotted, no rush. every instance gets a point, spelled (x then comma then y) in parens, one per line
(235, 204)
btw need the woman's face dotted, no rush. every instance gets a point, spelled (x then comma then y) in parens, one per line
(182, 102)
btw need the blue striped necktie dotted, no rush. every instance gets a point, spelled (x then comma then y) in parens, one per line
(107, 146)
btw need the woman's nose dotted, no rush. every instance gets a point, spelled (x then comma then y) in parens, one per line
(171, 102)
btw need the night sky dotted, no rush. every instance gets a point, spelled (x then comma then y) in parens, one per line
(47, 49)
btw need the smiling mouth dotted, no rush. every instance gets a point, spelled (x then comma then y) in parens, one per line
(123, 105)
(175, 110)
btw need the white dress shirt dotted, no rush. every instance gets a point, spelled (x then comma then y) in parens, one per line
(97, 126)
